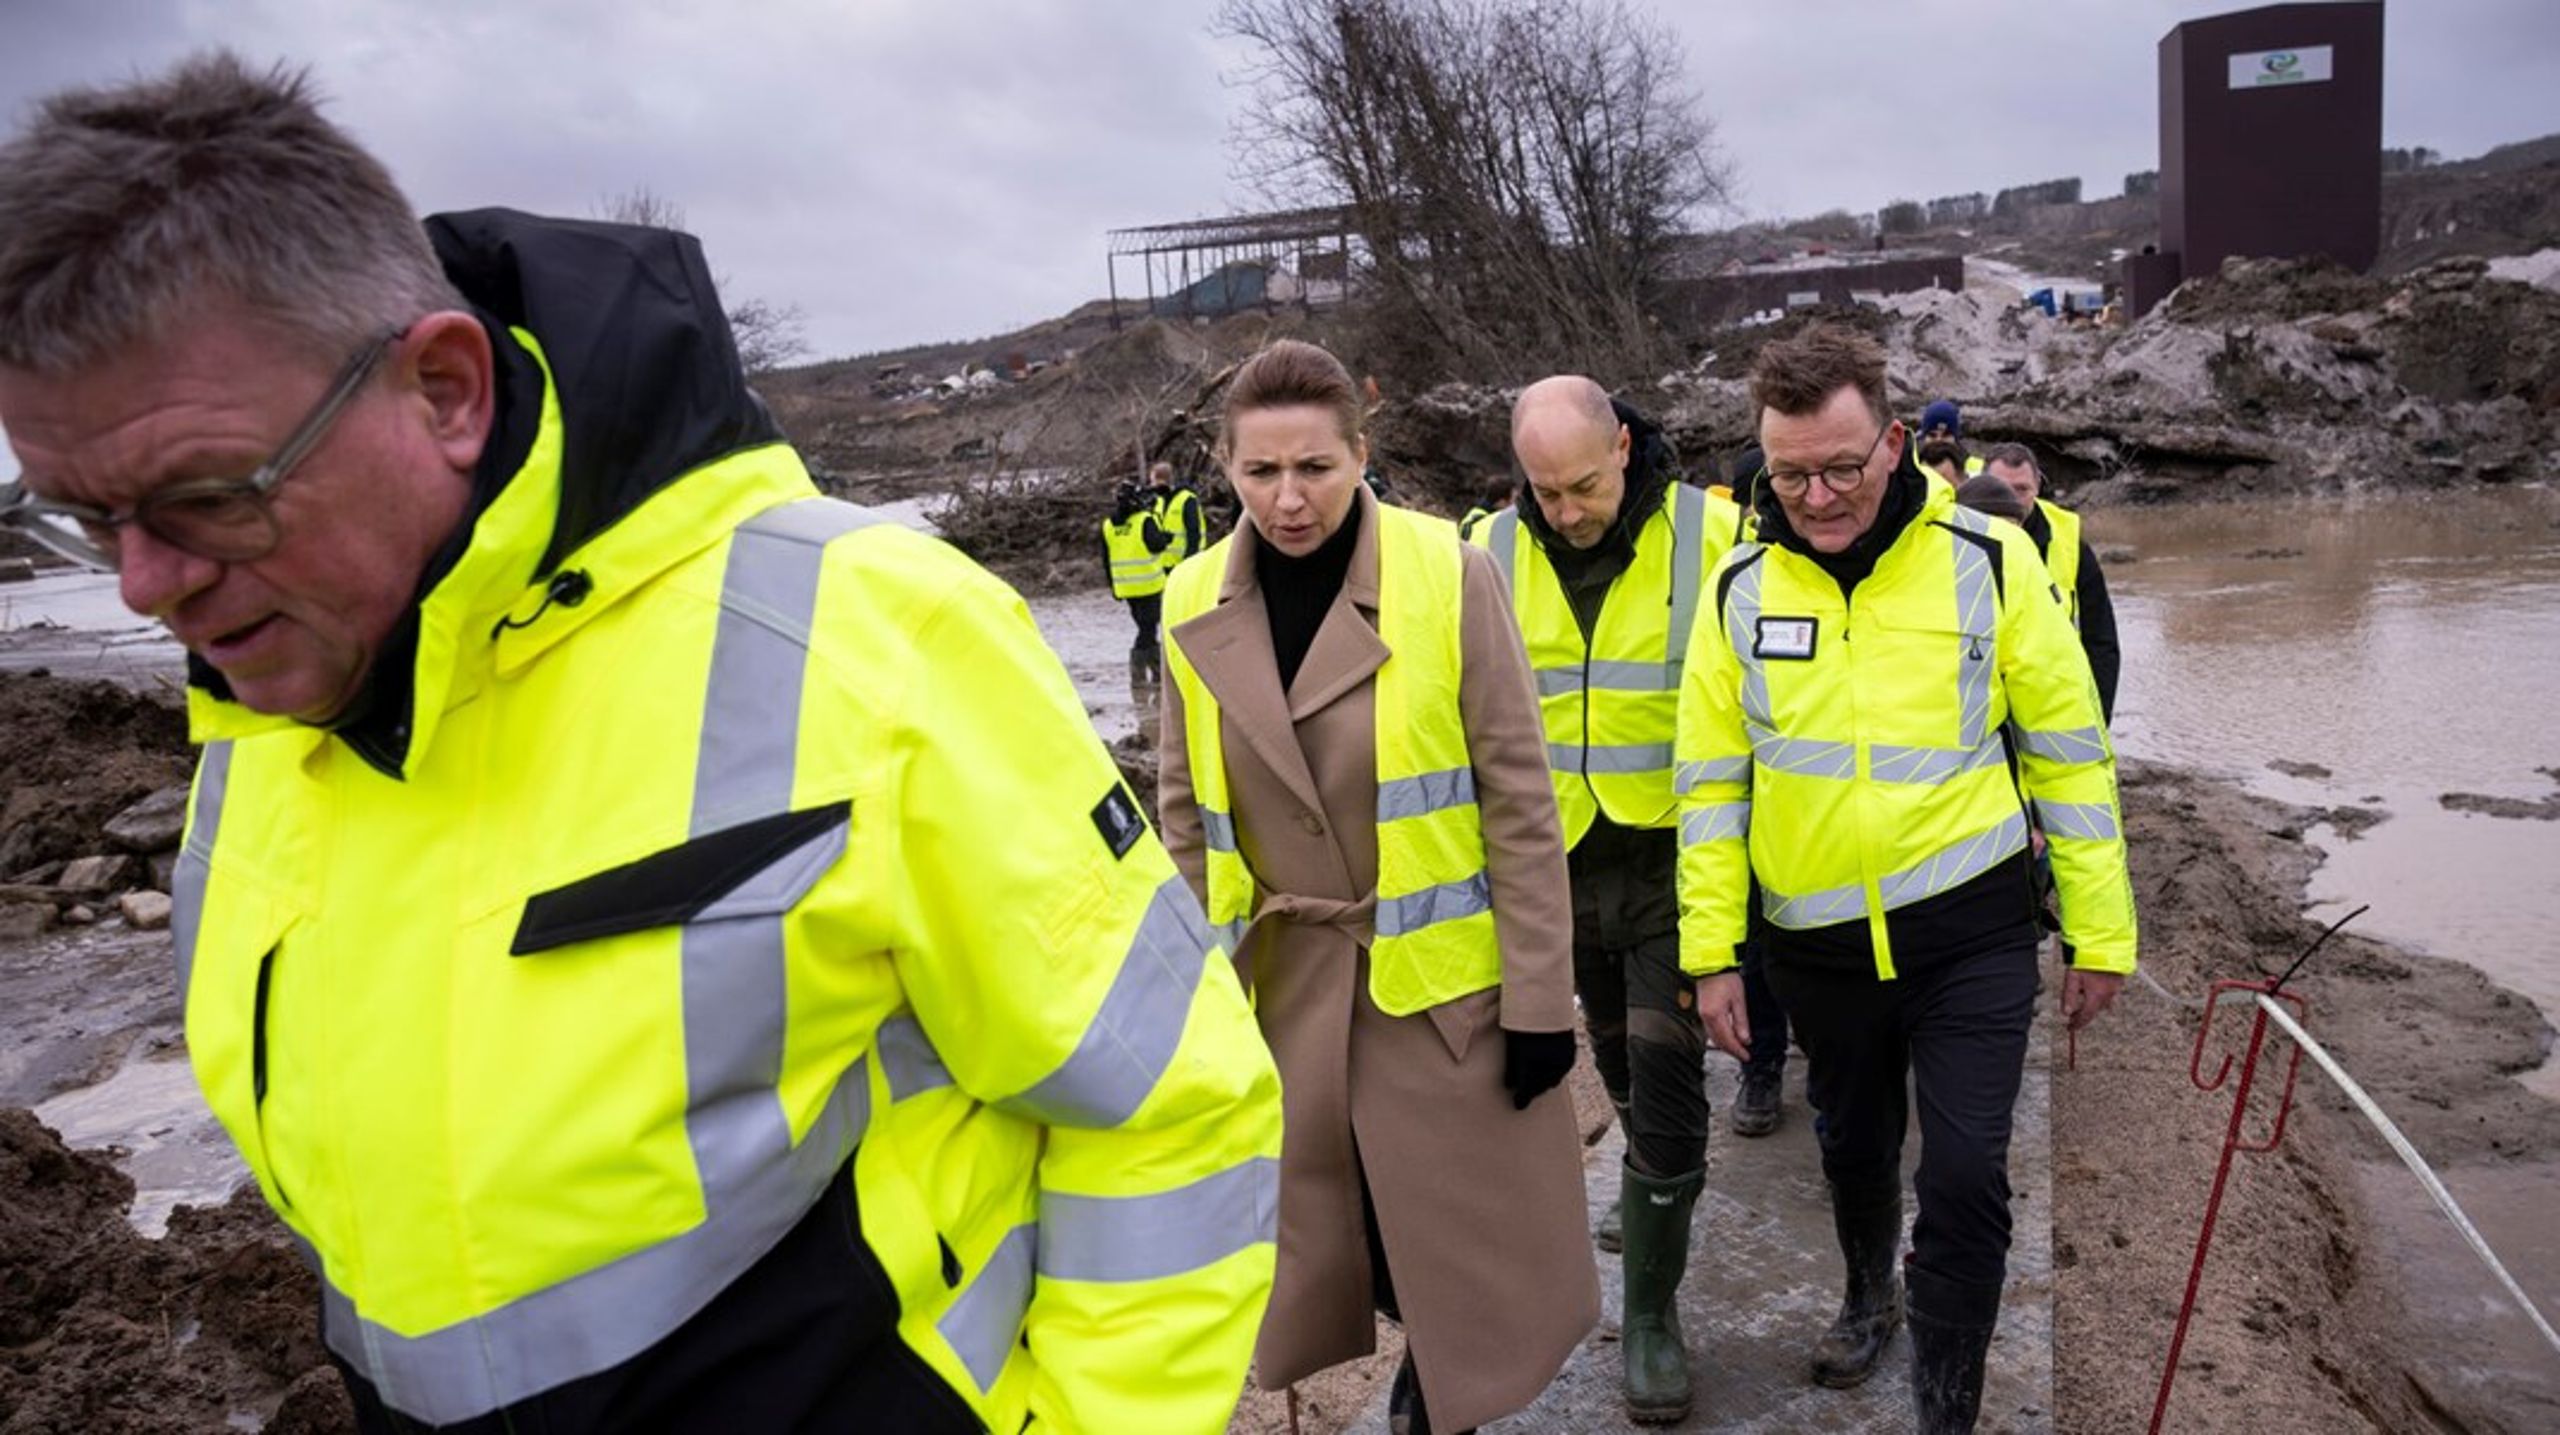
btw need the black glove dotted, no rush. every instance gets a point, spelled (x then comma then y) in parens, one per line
(1533, 1062)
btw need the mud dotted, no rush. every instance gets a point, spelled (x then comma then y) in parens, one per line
(72, 755)
(105, 1332)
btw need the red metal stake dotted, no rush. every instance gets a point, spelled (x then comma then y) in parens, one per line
(2231, 1146)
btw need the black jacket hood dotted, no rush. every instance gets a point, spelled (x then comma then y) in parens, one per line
(638, 347)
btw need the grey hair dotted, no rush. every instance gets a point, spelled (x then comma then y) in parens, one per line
(123, 208)
(2013, 453)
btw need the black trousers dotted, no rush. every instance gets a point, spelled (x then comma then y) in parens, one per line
(1768, 1019)
(1148, 613)
(1646, 1036)
(1954, 1031)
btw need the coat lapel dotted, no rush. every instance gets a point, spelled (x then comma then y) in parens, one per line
(1230, 648)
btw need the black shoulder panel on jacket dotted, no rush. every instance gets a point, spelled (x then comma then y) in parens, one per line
(638, 345)
(1724, 580)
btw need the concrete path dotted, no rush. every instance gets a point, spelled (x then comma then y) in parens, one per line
(1765, 1280)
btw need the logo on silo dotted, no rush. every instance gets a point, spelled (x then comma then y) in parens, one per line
(2282, 63)
(2259, 69)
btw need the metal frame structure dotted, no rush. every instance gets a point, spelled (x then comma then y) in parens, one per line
(1217, 243)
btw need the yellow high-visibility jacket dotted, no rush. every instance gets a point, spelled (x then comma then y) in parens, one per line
(771, 862)
(2062, 556)
(1610, 704)
(1435, 937)
(1179, 512)
(1137, 571)
(1851, 753)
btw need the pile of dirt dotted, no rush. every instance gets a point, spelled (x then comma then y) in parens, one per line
(72, 755)
(2293, 1315)
(107, 1333)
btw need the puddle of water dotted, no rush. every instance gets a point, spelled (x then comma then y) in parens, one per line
(2407, 645)
(176, 1152)
(1091, 633)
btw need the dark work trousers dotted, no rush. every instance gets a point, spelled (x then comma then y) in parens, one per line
(1760, 1007)
(1646, 1036)
(1149, 615)
(1958, 1029)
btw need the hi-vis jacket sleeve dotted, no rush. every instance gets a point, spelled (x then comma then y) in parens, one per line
(2066, 763)
(1711, 755)
(1066, 974)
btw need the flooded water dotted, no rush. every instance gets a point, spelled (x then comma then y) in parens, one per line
(2409, 647)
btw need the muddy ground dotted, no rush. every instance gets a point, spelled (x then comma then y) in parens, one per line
(2302, 1323)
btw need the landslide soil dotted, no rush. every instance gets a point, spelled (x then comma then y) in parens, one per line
(72, 755)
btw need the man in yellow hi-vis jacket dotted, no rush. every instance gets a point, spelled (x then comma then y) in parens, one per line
(667, 944)
(1885, 685)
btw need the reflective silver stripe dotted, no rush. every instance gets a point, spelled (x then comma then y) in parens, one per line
(1503, 528)
(1944, 871)
(1978, 621)
(2085, 744)
(1230, 935)
(983, 1324)
(1629, 757)
(2090, 821)
(1742, 622)
(195, 859)
(1813, 909)
(908, 1059)
(1132, 1038)
(1930, 766)
(1803, 756)
(756, 1183)
(1714, 769)
(1719, 822)
(1954, 866)
(1168, 1233)
(1219, 829)
(1610, 675)
(1688, 539)
(1136, 567)
(1426, 793)
(1410, 913)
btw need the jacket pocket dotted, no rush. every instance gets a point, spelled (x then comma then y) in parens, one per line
(230, 989)
(756, 868)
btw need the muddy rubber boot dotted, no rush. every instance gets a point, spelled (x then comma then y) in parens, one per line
(1608, 1235)
(1951, 1325)
(1657, 1256)
(1870, 1232)
(1755, 1107)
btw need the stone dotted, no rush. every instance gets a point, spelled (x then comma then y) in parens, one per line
(164, 870)
(145, 911)
(152, 825)
(96, 874)
(80, 915)
(20, 921)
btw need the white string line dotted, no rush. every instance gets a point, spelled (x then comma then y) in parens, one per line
(2409, 1156)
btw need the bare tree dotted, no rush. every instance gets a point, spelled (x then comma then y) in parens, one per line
(768, 335)
(1520, 173)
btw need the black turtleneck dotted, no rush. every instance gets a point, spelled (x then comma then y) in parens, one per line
(1297, 592)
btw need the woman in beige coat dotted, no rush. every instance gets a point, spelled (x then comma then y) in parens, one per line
(1429, 1168)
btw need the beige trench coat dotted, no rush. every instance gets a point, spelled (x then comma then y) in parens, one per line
(1480, 1207)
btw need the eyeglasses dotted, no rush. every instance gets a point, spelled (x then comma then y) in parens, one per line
(1841, 478)
(229, 520)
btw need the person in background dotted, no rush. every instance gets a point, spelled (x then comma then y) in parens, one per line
(2073, 563)
(1984, 493)
(1606, 568)
(669, 945)
(1355, 783)
(1134, 543)
(1941, 419)
(1944, 457)
(1501, 490)
(1177, 509)
(1848, 709)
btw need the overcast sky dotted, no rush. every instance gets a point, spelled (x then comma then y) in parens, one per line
(912, 170)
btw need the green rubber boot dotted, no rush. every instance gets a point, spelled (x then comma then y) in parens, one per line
(1656, 1220)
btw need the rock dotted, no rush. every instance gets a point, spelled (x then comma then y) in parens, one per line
(41, 875)
(152, 825)
(22, 920)
(96, 874)
(80, 915)
(2291, 768)
(145, 911)
(164, 870)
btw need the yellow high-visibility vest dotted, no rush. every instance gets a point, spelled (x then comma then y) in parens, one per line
(1435, 939)
(1171, 511)
(1137, 571)
(1609, 706)
(696, 897)
(1850, 754)
(2062, 555)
